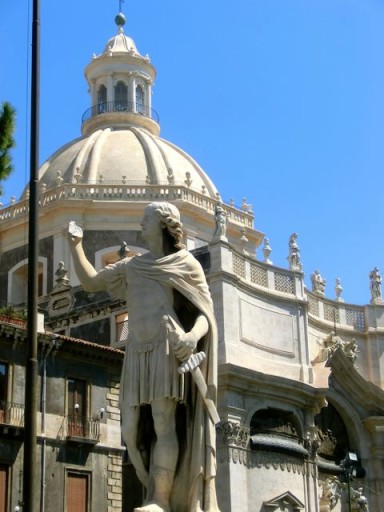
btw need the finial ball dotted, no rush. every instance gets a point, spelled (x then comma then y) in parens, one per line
(120, 20)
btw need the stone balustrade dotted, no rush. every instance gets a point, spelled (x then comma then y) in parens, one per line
(132, 191)
(290, 283)
(266, 276)
(336, 312)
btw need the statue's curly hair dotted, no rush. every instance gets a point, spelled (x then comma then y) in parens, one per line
(170, 218)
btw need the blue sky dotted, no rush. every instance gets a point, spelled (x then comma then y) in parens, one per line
(280, 101)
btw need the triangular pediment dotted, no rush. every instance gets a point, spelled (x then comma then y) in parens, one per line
(287, 502)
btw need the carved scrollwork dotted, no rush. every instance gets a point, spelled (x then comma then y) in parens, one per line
(231, 433)
(233, 441)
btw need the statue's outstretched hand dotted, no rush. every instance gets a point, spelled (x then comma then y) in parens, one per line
(75, 233)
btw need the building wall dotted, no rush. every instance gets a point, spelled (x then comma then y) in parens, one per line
(96, 451)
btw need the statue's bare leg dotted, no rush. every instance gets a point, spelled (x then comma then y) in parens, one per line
(130, 419)
(164, 457)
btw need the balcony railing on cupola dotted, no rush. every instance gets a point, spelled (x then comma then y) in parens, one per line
(130, 107)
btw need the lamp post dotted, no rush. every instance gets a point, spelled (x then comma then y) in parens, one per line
(351, 469)
(31, 378)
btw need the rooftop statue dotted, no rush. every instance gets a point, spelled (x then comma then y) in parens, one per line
(221, 222)
(338, 290)
(61, 275)
(169, 376)
(294, 257)
(375, 281)
(318, 283)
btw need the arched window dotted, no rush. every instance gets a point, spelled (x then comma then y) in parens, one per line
(109, 255)
(18, 281)
(139, 100)
(121, 96)
(102, 98)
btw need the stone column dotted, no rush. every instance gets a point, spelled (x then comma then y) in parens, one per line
(132, 93)
(232, 447)
(110, 89)
(92, 92)
(148, 96)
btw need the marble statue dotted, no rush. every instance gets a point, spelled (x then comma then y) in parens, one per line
(375, 284)
(169, 376)
(338, 290)
(360, 500)
(328, 347)
(221, 222)
(243, 240)
(331, 492)
(318, 283)
(351, 350)
(61, 275)
(331, 343)
(294, 258)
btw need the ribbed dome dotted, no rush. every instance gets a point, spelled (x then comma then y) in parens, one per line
(132, 155)
(120, 43)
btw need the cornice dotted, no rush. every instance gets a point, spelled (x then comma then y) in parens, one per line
(249, 382)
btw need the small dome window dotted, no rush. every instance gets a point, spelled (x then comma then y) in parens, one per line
(139, 100)
(121, 96)
(102, 98)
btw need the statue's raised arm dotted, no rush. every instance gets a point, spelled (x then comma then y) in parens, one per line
(84, 270)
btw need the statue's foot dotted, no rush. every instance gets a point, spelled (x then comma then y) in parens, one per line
(152, 507)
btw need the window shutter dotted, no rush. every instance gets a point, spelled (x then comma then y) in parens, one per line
(3, 488)
(77, 492)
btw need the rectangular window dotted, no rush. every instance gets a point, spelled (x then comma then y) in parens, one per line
(4, 371)
(121, 329)
(3, 487)
(77, 492)
(77, 407)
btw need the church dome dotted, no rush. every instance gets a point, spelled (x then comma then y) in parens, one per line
(131, 156)
(121, 143)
